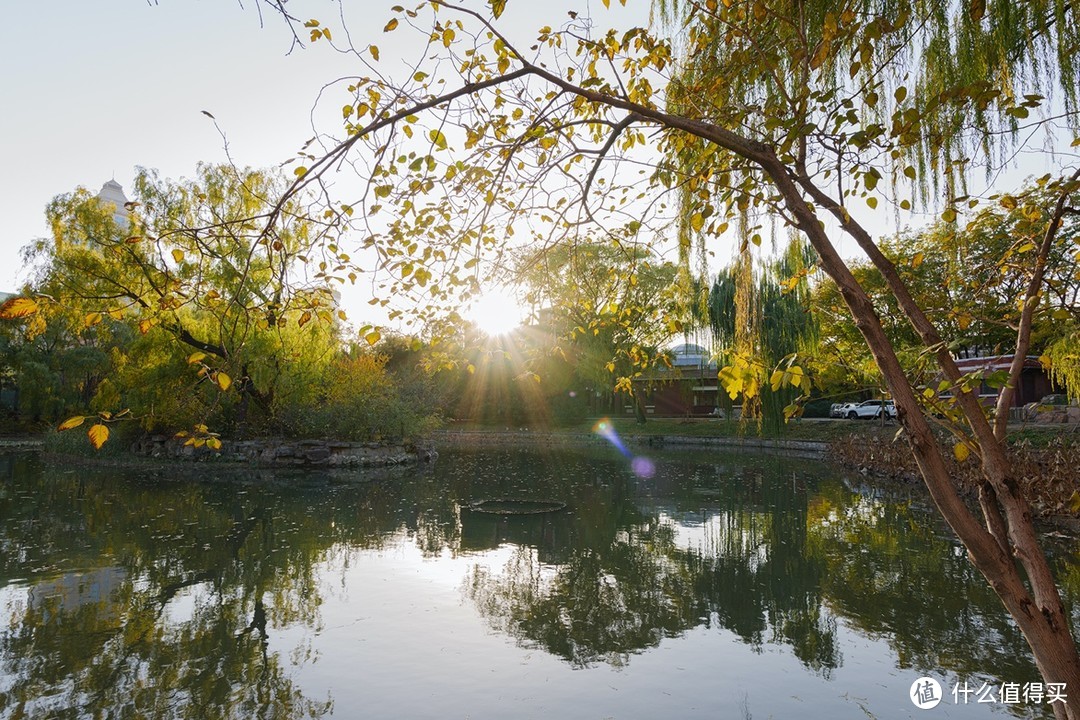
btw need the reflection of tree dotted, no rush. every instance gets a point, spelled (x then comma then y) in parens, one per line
(163, 599)
(637, 584)
(769, 555)
(895, 574)
(179, 625)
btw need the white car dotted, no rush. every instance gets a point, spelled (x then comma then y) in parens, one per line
(869, 409)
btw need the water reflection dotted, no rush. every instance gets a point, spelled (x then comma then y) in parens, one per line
(127, 595)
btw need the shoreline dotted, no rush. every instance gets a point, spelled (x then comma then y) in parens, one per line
(817, 449)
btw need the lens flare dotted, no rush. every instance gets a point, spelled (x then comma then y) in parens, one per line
(643, 467)
(606, 430)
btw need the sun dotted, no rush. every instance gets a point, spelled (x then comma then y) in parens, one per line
(496, 312)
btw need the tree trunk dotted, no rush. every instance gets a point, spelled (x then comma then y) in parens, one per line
(1038, 611)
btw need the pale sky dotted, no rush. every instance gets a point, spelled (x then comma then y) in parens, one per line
(93, 89)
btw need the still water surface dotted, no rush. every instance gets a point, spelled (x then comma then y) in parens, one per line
(725, 586)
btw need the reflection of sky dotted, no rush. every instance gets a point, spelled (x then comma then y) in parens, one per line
(713, 534)
(400, 640)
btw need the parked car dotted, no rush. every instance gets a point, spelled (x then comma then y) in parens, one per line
(1055, 408)
(836, 410)
(869, 409)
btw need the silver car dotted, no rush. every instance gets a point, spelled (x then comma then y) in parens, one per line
(869, 409)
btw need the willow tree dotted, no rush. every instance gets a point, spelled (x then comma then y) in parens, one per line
(761, 320)
(815, 113)
(223, 315)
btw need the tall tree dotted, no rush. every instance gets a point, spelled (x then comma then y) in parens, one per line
(221, 312)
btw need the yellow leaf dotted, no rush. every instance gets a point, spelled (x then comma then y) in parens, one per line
(438, 138)
(304, 319)
(447, 37)
(18, 307)
(373, 337)
(697, 221)
(776, 380)
(145, 325)
(91, 319)
(213, 443)
(72, 422)
(961, 451)
(497, 7)
(178, 255)
(374, 52)
(196, 357)
(916, 259)
(98, 434)
(391, 25)
(223, 381)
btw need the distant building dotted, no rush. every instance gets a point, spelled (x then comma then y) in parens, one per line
(689, 387)
(112, 193)
(1034, 383)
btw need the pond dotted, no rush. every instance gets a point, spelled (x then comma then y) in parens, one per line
(714, 585)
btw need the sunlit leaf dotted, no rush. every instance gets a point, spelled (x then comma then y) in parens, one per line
(961, 451)
(178, 255)
(196, 357)
(98, 434)
(223, 380)
(18, 307)
(72, 422)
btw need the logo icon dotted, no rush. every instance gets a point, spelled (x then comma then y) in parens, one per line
(925, 693)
